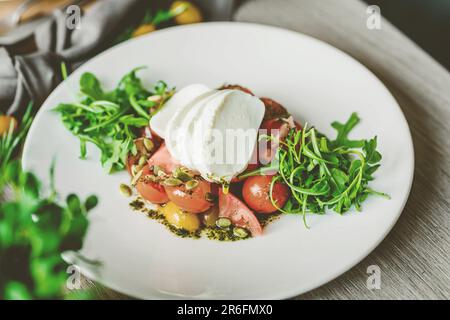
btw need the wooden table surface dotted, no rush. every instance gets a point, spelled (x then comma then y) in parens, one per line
(414, 257)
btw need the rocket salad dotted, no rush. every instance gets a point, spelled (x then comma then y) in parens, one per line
(299, 170)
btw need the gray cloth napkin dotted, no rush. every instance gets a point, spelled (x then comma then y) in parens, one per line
(32, 77)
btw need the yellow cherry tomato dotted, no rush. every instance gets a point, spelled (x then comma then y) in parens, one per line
(189, 12)
(143, 29)
(179, 218)
(5, 123)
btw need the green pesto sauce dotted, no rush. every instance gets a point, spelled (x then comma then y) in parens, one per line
(266, 219)
(213, 233)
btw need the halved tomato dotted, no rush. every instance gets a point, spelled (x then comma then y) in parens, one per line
(163, 159)
(149, 190)
(239, 214)
(194, 200)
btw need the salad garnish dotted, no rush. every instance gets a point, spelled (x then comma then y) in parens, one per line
(111, 119)
(326, 174)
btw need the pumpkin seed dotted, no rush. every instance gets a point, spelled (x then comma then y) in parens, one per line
(142, 161)
(223, 223)
(136, 177)
(172, 182)
(125, 190)
(135, 169)
(150, 178)
(140, 147)
(157, 170)
(240, 232)
(148, 144)
(182, 174)
(191, 184)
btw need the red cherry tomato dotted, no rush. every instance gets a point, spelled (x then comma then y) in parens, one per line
(236, 87)
(276, 127)
(239, 214)
(273, 109)
(151, 191)
(193, 200)
(256, 193)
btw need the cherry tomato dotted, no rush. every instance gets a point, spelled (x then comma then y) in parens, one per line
(277, 127)
(236, 87)
(256, 193)
(164, 160)
(239, 214)
(194, 200)
(5, 123)
(151, 191)
(189, 12)
(273, 109)
(143, 29)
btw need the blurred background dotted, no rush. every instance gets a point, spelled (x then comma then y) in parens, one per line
(427, 22)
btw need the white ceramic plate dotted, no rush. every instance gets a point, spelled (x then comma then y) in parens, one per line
(316, 82)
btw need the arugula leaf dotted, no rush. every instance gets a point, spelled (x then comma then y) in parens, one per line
(343, 131)
(323, 174)
(111, 120)
(369, 148)
(90, 86)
